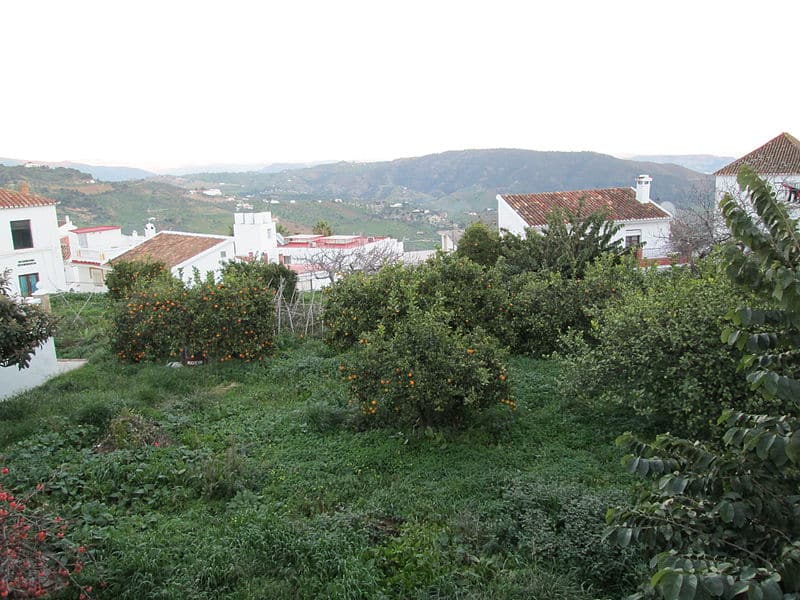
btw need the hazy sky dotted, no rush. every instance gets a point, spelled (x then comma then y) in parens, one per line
(164, 84)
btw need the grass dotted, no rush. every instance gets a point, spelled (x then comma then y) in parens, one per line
(265, 485)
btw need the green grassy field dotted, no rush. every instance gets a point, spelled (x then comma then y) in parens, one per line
(265, 484)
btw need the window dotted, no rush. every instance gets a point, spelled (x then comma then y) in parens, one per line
(28, 283)
(97, 276)
(633, 238)
(223, 254)
(21, 235)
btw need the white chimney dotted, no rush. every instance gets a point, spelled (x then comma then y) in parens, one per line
(149, 230)
(643, 188)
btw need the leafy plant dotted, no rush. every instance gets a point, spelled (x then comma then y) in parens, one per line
(480, 244)
(655, 352)
(261, 274)
(128, 274)
(23, 328)
(427, 374)
(568, 244)
(725, 514)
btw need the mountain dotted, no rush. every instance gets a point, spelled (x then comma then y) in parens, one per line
(465, 179)
(100, 172)
(130, 204)
(239, 168)
(702, 163)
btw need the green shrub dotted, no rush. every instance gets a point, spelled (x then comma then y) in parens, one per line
(480, 244)
(473, 295)
(130, 274)
(359, 302)
(23, 327)
(213, 321)
(426, 373)
(261, 274)
(153, 324)
(564, 524)
(657, 354)
(541, 307)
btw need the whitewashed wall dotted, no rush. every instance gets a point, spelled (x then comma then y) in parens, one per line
(44, 365)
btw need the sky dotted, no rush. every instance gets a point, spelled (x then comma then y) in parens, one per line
(165, 84)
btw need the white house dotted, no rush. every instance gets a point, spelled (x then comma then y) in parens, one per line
(87, 252)
(183, 252)
(254, 238)
(642, 220)
(29, 242)
(777, 161)
(325, 257)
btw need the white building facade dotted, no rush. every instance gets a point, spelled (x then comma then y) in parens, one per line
(29, 242)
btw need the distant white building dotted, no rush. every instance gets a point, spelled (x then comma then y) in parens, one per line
(87, 252)
(254, 238)
(643, 221)
(29, 242)
(329, 257)
(450, 239)
(777, 161)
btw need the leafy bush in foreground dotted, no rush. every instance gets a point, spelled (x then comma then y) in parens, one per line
(23, 328)
(426, 373)
(657, 354)
(725, 515)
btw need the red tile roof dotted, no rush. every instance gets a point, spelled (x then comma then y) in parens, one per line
(780, 155)
(94, 229)
(12, 199)
(621, 204)
(170, 248)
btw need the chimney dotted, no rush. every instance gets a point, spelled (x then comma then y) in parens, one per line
(149, 230)
(23, 187)
(643, 188)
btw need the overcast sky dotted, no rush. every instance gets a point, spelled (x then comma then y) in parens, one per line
(164, 84)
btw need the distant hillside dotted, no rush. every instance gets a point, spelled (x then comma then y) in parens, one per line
(702, 163)
(126, 203)
(239, 168)
(467, 179)
(100, 172)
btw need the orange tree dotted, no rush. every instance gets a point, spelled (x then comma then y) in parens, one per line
(426, 373)
(210, 321)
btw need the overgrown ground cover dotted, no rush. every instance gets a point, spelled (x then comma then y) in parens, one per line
(257, 481)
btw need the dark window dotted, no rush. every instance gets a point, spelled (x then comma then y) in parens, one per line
(633, 240)
(27, 284)
(21, 235)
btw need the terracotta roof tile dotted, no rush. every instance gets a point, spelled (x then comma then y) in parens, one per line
(12, 199)
(780, 155)
(170, 248)
(621, 204)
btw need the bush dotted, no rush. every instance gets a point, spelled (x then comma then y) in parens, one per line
(469, 296)
(209, 321)
(657, 354)
(359, 303)
(23, 328)
(261, 274)
(564, 524)
(473, 295)
(129, 274)
(542, 306)
(480, 244)
(426, 373)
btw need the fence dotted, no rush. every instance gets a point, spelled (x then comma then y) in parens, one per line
(301, 314)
